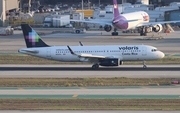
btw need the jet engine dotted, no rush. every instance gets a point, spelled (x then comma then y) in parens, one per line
(107, 28)
(157, 28)
(109, 62)
(121, 62)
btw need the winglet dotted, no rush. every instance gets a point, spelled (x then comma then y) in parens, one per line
(71, 50)
(81, 44)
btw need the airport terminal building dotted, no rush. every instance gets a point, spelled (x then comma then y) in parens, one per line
(5, 6)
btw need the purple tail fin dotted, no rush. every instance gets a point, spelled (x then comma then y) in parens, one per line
(116, 10)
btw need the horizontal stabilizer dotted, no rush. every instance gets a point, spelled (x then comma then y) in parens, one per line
(31, 51)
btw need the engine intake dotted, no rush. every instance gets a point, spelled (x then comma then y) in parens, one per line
(157, 28)
(107, 28)
(109, 62)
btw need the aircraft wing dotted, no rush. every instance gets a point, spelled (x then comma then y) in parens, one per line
(102, 22)
(90, 56)
(155, 23)
(86, 55)
(131, 20)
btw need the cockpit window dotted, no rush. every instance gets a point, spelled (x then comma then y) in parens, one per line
(153, 50)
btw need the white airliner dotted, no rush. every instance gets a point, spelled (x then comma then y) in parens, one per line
(109, 55)
(128, 21)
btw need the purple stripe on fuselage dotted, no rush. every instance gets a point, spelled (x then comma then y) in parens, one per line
(120, 22)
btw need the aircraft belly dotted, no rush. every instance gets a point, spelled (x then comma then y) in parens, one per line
(132, 25)
(40, 54)
(136, 16)
(70, 58)
(131, 57)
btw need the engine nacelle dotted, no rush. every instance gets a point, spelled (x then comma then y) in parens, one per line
(157, 28)
(109, 62)
(107, 28)
(121, 62)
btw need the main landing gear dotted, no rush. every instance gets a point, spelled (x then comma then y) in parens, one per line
(143, 31)
(144, 64)
(115, 33)
(95, 66)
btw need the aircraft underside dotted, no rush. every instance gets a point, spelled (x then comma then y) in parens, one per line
(141, 30)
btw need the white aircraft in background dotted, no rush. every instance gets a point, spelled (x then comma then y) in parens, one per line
(134, 20)
(109, 55)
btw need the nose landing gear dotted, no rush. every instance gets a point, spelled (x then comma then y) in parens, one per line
(144, 64)
(115, 33)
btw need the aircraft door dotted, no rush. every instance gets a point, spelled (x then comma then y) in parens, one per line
(48, 54)
(144, 52)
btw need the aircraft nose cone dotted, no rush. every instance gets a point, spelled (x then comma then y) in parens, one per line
(161, 55)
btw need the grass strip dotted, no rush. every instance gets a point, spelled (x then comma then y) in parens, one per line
(89, 104)
(26, 59)
(83, 82)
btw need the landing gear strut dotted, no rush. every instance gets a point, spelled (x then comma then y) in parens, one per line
(143, 31)
(144, 64)
(115, 33)
(95, 66)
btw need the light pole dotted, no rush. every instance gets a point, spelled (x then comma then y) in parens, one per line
(82, 5)
(89, 4)
(122, 6)
(5, 12)
(99, 3)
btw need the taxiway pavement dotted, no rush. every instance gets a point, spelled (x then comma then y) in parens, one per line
(85, 71)
(170, 43)
(144, 92)
(82, 111)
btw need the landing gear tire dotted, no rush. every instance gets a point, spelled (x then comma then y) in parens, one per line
(77, 31)
(143, 32)
(144, 65)
(95, 66)
(114, 33)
